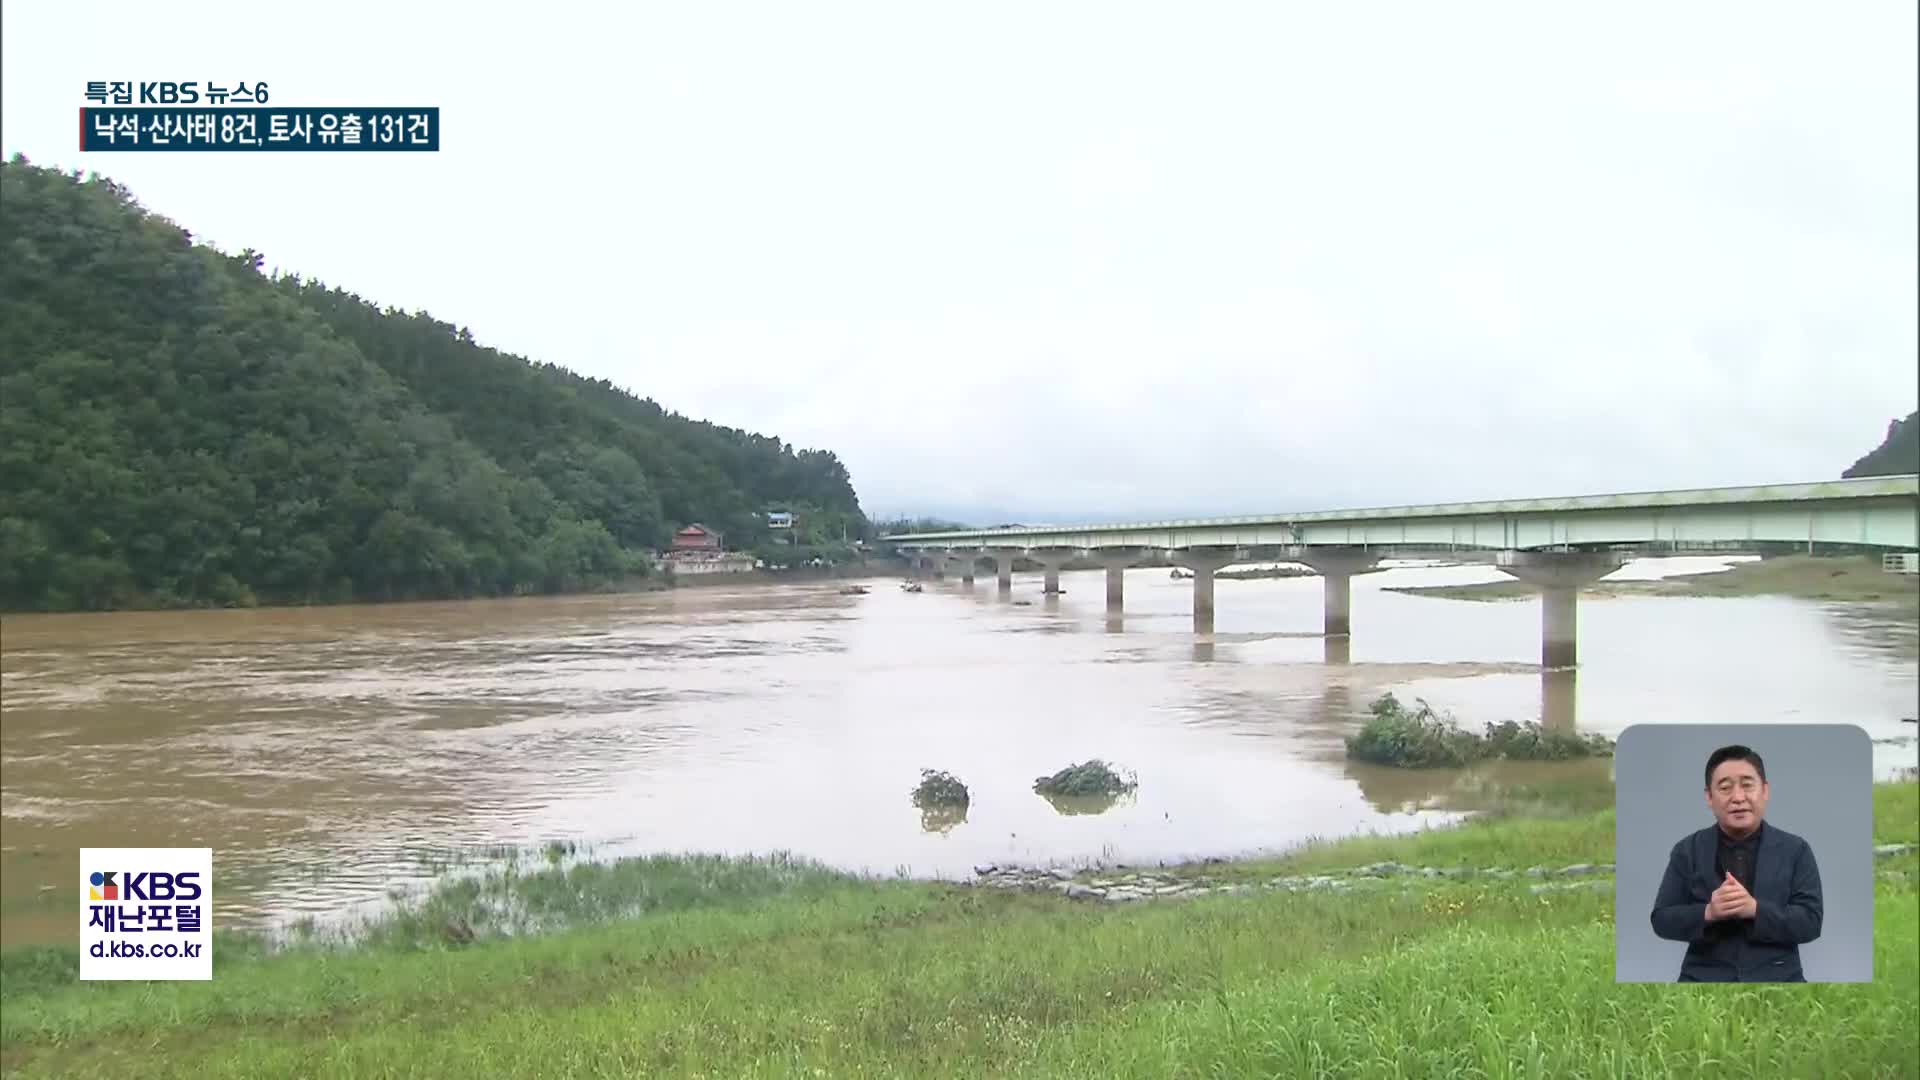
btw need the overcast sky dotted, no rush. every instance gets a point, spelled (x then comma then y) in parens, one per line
(1049, 262)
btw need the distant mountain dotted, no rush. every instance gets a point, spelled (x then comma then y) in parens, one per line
(178, 429)
(1897, 455)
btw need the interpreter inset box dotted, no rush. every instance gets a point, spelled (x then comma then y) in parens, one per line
(1743, 853)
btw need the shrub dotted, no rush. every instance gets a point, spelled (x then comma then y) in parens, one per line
(1531, 742)
(1419, 738)
(1094, 777)
(1416, 738)
(939, 789)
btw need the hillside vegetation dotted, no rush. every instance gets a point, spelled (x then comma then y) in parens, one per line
(179, 429)
(1897, 455)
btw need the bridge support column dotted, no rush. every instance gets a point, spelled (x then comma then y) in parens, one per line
(1204, 562)
(962, 564)
(953, 565)
(1116, 560)
(1003, 571)
(1051, 560)
(1559, 627)
(1336, 649)
(1336, 566)
(1559, 575)
(1559, 698)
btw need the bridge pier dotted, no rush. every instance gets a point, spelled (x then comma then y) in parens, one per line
(1051, 560)
(1558, 700)
(1204, 562)
(1003, 570)
(1116, 561)
(1336, 567)
(964, 563)
(1559, 575)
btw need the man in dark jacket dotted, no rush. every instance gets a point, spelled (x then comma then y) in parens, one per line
(1744, 895)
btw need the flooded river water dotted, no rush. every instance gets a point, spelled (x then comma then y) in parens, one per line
(330, 754)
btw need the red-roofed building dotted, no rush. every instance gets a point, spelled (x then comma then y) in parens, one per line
(696, 538)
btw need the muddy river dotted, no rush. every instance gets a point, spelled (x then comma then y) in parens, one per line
(330, 755)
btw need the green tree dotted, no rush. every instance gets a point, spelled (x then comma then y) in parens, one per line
(178, 428)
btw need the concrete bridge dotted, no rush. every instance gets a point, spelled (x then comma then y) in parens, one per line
(1557, 545)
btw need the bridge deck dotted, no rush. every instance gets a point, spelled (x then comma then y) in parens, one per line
(1876, 511)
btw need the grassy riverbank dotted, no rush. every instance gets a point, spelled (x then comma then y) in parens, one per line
(771, 969)
(1855, 579)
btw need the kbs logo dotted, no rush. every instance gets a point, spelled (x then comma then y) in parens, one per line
(169, 93)
(157, 885)
(146, 913)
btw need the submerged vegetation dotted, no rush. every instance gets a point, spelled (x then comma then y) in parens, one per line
(943, 800)
(514, 901)
(1088, 779)
(1420, 738)
(939, 788)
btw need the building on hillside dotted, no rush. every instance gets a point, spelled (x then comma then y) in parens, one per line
(696, 538)
(697, 549)
(781, 526)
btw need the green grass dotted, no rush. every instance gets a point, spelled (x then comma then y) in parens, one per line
(513, 901)
(1531, 1000)
(1478, 842)
(1896, 813)
(779, 969)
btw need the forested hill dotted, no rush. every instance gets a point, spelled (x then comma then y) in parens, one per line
(1897, 455)
(176, 428)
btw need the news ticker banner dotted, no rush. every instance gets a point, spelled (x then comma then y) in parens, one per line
(146, 913)
(176, 116)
